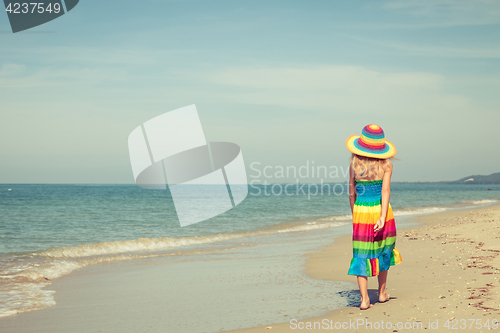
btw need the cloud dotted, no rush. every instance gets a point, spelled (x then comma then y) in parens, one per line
(434, 50)
(15, 76)
(103, 55)
(450, 12)
(341, 88)
(9, 70)
(456, 52)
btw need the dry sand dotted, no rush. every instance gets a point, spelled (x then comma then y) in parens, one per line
(450, 273)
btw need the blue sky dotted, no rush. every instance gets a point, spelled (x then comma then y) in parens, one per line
(288, 81)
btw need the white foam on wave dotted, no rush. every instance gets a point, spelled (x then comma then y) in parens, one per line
(397, 212)
(480, 202)
(24, 297)
(22, 282)
(346, 217)
(311, 226)
(141, 244)
(418, 211)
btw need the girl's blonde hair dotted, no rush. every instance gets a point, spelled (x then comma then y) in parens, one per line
(367, 167)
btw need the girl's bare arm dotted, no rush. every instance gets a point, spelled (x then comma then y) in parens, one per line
(386, 194)
(386, 189)
(352, 188)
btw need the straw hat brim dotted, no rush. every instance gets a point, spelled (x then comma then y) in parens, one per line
(351, 144)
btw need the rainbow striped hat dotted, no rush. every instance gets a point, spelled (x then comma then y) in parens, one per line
(371, 143)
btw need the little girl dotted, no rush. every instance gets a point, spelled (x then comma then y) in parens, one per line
(374, 229)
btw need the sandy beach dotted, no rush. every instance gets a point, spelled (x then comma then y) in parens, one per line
(449, 272)
(216, 166)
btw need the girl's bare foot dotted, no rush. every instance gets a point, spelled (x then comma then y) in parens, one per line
(384, 298)
(365, 305)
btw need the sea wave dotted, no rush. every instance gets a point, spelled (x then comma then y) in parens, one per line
(22, 280)
(23, 277)
(397, 212)
(165, 243)
(419, 211)
(480, 202)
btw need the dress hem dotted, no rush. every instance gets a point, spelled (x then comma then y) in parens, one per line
(373, 267)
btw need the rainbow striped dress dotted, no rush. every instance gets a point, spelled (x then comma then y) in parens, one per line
(373, 252)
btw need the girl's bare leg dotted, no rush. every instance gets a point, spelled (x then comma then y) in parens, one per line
(382, 280)
(363, 290)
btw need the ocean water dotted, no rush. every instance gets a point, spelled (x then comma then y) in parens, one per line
(48, 231)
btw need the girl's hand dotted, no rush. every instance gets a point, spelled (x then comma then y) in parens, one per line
(379, 225)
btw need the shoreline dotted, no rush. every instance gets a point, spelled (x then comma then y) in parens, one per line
(448, 243)
(56, 262)
(325, 265)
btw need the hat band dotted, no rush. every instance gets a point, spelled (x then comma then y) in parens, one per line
(371, 144)
(371, 149)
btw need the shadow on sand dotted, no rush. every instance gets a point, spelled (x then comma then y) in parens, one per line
(354, 298)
